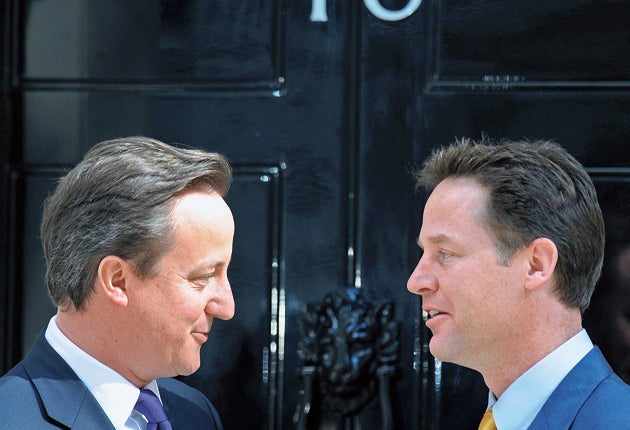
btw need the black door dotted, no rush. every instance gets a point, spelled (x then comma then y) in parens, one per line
(323, 107)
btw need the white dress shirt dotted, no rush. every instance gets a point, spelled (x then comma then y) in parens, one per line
(116, 395)
(524, 398)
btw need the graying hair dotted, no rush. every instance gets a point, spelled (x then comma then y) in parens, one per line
(117, 201)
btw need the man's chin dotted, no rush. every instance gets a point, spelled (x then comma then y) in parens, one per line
(188, 369)
(439, 350)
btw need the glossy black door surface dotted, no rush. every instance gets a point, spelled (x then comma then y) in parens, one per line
(323, 106)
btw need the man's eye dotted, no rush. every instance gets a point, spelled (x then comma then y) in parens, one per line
(443, 255)
(203, 280)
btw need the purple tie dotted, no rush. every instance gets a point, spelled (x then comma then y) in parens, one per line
(150, 406)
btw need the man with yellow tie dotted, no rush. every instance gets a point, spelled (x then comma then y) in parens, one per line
(513, 244)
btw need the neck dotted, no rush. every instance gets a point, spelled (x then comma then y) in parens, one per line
(529, 348)
(96, 333)
(85, 330)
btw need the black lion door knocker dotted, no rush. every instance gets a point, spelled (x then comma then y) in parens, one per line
(349, 348)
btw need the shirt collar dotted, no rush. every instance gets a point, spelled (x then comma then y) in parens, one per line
(115, 394)
(524, 398)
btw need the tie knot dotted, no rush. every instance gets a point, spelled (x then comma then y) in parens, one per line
(150, 406)
(487, 422)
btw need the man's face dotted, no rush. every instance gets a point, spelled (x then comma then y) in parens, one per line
(470, 295)
(173, 310)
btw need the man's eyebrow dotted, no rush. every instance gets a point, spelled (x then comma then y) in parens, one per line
(435, 239)
(210, 263)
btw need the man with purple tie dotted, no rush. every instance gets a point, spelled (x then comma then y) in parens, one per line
(137, 240)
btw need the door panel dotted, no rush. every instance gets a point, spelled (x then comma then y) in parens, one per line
(585, 123)
(556, 43)
(201, 44)
(608, 316)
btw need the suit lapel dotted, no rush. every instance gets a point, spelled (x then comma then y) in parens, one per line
(186, 408)
(65, 397)
(176, 410)
(566, 400)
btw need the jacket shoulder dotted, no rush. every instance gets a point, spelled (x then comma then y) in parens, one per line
(606, 406)
(20, 406)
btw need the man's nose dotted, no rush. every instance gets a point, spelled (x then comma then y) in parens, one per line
(222, 304)
(422, 280)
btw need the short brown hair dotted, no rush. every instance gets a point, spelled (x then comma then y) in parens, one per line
(536, 189)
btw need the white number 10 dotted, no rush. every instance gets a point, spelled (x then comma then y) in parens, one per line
(318, 10)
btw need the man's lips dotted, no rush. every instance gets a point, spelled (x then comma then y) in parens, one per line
(432, 313)
(432, 316)
(201, 333)
(200, 336)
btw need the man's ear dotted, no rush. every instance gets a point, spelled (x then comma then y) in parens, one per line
(542, 258)
(112, 276)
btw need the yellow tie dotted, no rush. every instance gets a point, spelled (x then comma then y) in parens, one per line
(487, 422)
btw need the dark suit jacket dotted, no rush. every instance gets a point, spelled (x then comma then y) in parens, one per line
(43, 392)
(590, 397)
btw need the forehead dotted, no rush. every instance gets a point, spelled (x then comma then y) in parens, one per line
(454, 211)
(200, 208)
(203, 221)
